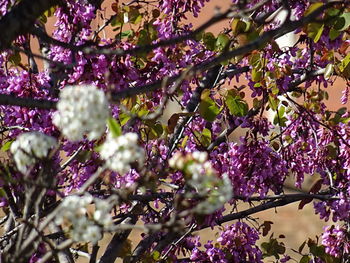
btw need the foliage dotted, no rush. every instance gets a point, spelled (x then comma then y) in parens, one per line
(88, 150)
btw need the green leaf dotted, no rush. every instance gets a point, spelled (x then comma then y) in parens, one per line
(328, 71)
(50, 12)
(273, 102)
(206, 137)
(253, 35)
(184, 141)
(256, 75)
(280, 248)
(344, 63)
(117, 21)
(317, 251)
(142, 112)
(208, 108)
(156, 129)
(275, 90)
(315, 31)
(333, 12)
(333, 33)
(134, 15)
(43, 19)
(114, 127)
(98, 148)
(124, 118)
(236, 105)
(6, 146)
(345, 120)
(255, 60)
(209, 40)
(152, 31)
(279, 119)
(342, 22)
(144, 38)
(312, 8)
(15, 58)
(83, 156)
(127, 33)
(238, 26)
(305, 259)
(156, 255)
(222, 42)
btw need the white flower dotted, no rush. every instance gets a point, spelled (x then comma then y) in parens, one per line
(86, 231)
(92, 234)
(120, 152)
(81, 110)
(74, 209)
(217, 191)
(203, 178)
(102, 214)
(177, 161)
(195, 169)
(29, 147)
(200, 156)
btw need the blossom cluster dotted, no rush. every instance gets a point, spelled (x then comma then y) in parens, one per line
(30, 147)
(208, 169)
(121, 152)
(74, 211)
(194, 6)
(336, 240)
(82, 109)
(253, 167)
(203, 178)
(236, 243)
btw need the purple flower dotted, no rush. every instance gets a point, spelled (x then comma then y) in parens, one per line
(336, 241)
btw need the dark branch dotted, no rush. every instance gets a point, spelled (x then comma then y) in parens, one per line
(117, 242)
(27, 102)
(21, 19)
(116, 96)
(256, 44)
(208, 82)
(285, 200)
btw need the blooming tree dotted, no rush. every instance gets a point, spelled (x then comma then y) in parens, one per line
(86, 151)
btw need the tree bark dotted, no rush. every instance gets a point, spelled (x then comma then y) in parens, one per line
(21, 18)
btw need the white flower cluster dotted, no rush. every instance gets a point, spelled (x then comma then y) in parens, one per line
(81, 110)
(74, 210)
(29, 147)
(217, 191)
(122, 151)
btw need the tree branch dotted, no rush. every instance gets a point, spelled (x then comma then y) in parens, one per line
(117, 242)
(256, 44)
(21, 19)
(116, 96)
(284, 200)
(27, 102)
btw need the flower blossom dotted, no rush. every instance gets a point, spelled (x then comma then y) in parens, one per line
(81, 110)
(203, 178)
(335, 240)
(122, 151)
(73, 210)
(30, 146)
